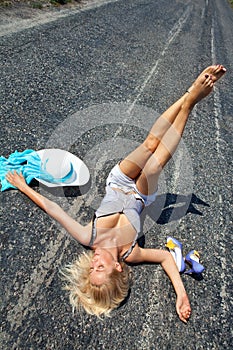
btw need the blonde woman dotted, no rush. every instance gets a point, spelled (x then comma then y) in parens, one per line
(100, 279)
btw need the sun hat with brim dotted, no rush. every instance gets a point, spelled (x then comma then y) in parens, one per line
(53, 167)
(61, 168)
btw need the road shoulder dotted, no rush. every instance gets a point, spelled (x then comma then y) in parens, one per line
(21, 16)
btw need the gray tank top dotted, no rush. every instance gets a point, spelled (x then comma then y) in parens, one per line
(119, 202)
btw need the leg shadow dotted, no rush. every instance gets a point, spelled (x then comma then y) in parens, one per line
(172, 207)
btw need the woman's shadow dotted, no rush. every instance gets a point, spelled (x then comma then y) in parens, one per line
(170, 207)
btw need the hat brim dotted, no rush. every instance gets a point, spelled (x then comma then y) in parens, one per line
(81, 174)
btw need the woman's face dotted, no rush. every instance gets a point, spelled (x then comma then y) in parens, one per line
(102, 265)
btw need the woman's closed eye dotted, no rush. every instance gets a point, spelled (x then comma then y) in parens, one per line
(100, 267)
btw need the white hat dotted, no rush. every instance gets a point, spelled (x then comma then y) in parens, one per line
(65, 168)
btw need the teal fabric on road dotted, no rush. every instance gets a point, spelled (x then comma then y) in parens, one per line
(30, 165)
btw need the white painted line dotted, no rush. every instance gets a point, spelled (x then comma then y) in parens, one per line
(29, 290)
(204, 9)
(217, 105)
(18, 313)
(154, 70)
(148, 329)
(202, 13)
(217, 114)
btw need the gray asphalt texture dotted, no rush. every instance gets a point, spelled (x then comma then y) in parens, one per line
(143, 54)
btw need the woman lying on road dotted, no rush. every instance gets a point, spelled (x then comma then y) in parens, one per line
(100, 279)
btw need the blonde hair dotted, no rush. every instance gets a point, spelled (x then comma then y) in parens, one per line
(95, 299)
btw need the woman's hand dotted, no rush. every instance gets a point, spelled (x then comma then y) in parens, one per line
(16, 180)
(183, 307)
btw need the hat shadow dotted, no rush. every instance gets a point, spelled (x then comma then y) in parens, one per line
(60, 191)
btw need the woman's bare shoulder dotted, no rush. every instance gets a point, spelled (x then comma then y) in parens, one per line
(135, 256)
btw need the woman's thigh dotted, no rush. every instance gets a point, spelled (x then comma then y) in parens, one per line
(133, 164)
(147, 181)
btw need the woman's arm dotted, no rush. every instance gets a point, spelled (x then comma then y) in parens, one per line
(81, 233)
(163, 257)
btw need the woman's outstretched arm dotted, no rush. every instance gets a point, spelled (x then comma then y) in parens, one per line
(163, 257)
(80, 233)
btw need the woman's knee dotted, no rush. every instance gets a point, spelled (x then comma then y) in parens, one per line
(151, 142)
(153, 167)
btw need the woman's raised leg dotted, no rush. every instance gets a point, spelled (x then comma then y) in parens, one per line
(147, 182)
(136, 161)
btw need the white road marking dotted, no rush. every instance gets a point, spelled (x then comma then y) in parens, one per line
(217, 104)
(29, 290)
(154, 70)
(217, 110)
(204, 9)
(152, 311)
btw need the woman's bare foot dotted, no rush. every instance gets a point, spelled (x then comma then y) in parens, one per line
(215, 72)
(201, 88)
(183, 307)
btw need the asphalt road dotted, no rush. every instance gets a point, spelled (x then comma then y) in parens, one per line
(92, 83)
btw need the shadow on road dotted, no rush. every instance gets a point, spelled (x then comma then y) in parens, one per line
(172, 207)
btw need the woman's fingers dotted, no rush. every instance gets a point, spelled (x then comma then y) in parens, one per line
(14, 178)
(184, 316)
(10, 176)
